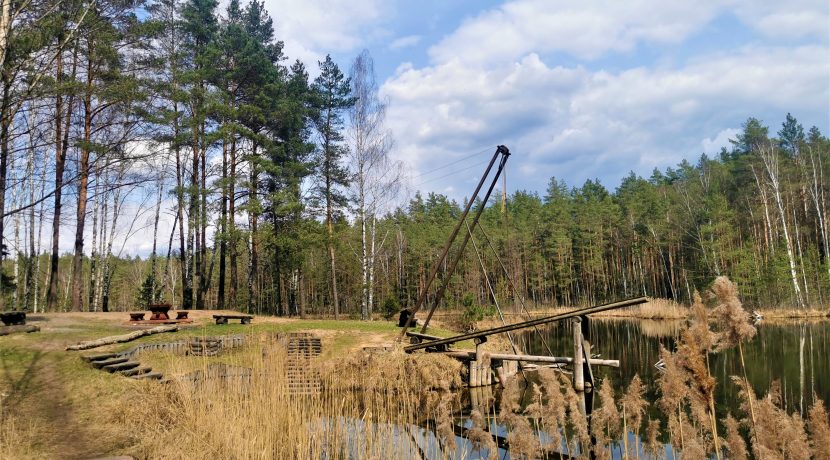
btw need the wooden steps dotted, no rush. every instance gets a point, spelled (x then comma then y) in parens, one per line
(120, 363)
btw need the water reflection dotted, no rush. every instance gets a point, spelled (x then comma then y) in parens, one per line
(795, 354)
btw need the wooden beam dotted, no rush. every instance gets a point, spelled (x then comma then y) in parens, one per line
(526, 324)
(471, 355)
(122, 338)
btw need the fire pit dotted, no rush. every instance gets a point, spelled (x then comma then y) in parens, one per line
(159, 311)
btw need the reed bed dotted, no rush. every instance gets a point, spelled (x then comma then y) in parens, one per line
(368, 407)
(397, 405)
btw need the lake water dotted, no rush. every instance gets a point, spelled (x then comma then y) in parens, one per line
(796, 354)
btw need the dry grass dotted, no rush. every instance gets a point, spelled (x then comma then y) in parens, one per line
(370, 406)
(653, 309)
(18, 438)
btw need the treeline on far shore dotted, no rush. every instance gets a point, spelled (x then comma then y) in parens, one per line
(757, 213)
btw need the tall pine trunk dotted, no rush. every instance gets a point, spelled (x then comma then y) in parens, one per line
(232, 253)
(83, 172)
(223, 230)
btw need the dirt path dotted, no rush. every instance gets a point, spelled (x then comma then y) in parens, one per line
(40, 397)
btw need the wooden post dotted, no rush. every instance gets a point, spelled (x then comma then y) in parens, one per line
(579, 375)
(480, 367)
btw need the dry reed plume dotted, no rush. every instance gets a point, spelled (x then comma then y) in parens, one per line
(653, 447)
(776, 434)
(734, 443)
(605, 420)
(819, 430)
(633, 407)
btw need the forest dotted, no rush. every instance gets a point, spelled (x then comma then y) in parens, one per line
(285, 199)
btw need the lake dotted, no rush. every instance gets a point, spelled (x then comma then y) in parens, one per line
(797, 354)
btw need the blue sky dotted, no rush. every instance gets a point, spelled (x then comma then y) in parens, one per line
(577, 90)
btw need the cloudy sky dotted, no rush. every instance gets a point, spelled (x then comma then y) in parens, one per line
(577, 90)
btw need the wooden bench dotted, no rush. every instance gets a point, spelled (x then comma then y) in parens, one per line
(417, 337)
(136, 316)
(13, 318)
(181, 314)
(223, 319)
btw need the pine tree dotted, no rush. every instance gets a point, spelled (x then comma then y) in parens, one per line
(331, 97)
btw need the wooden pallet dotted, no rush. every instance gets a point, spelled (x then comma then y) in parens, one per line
(302, 378)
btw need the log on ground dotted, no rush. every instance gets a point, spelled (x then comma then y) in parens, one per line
(122, 338)
(6, 330)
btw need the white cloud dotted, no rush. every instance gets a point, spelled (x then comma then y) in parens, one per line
(791, 19)
(591, 29)
(312, 29)
(583, 29)
(713, 146)
(405, 42)
(576, 124)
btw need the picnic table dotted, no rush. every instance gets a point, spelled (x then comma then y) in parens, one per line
(159, 311)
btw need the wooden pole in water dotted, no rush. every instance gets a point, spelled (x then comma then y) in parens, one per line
(579, 375)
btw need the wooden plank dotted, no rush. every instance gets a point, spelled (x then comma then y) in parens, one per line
(422, 336)
(107, 362)
(120, 366)
(99, 356)
(461, 354)
(526, 324)
(149, 376)
(135, 371)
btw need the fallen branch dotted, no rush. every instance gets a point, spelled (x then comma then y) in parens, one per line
(6, 330)
(122, 338)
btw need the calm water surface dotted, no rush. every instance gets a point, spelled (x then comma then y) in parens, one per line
(796, 354)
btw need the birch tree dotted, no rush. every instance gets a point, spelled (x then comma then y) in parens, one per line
(770, 158)
(375, 178)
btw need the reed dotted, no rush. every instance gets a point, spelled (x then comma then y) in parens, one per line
(605, 420)
(734, 443)
(361, 412)
(819, 430)
(634, 407)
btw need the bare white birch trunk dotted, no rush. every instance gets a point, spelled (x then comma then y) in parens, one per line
(768, 235)
(770, 158)
(5, 27)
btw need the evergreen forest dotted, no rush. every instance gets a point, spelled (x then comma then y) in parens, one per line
(285, 198)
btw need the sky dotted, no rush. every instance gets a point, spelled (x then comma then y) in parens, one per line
(576, 90)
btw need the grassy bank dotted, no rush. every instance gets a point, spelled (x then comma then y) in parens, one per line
(53, 405)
